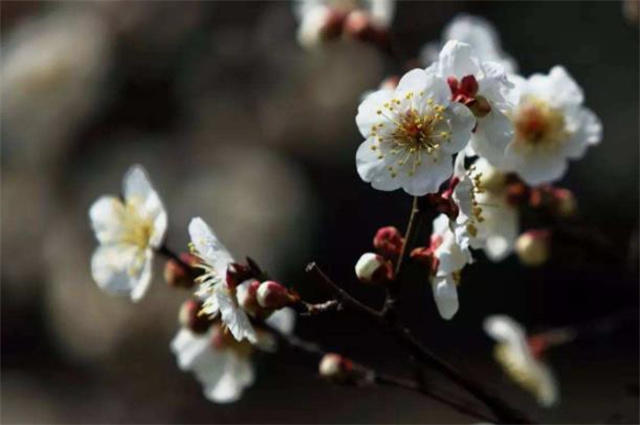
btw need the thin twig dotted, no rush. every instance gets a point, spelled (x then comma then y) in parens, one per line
(313, 349)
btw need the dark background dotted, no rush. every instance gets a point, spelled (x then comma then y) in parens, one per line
(238, 124)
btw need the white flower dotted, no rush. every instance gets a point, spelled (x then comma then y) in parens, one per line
(551, 126)
(452, 256)
(482, 86)
(128, 231)
(515, 355)
(411, 133)
(319, 17)
(477, 32)
(486, 220)
(223, 366)
(217, 296)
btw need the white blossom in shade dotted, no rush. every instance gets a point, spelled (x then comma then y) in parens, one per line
(551, 126)
(486, 220)
(217, 296)
(224, 367)
(484, 87)
(315, 16)
(411, 133)
(452, 256)
(519, 362)
(477, 32)
(128, 231)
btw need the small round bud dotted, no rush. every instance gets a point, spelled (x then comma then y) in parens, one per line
(335, 368)
(565, 202)
(190, 317)
(518, 193)
(359, 25)
(246, 294)
(177, 275)
(533, 248)
(389, 83)
(388, 242)
(373, 268)
(273, 295)
(237, 273)
(424, 255)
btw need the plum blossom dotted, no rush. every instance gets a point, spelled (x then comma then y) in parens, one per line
(411, 133)
(551, 126)
(451, 256)
(519, 361)
(483, 87)
(128, 230)
(477, 32)
(221, 364)
(218, 296)
(324, 19)
(486, 219)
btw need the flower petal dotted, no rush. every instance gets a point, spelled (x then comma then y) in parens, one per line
(457, 59)
(494, 132)
(368, 115)
(106, 215)
(137, 189)
(461, 122)
(122, 269)
(445, 295)
(234, 317)
(209, 246)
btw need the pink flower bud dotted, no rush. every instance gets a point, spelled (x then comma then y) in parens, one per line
(389, 83)
(388, 242)
(190, 317)
(358, 24)
(176, 275)
(424, 255)
(533, 247)
(237, 273)
(564, 202)
(335, 368)
(273, 295)
(246, 294)
(373, 268)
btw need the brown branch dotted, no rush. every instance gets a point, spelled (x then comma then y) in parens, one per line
(313, 349)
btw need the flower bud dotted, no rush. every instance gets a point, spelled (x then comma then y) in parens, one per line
(335, 368)
(273, 295)
(373, 268)
(237, 273)
(388, 242)
(533, 247)
(389, 83)
(564, 202)
(359, 25)
(517, 193)
(246, 294)
(177, 275)
(190, 317)
(424, 255)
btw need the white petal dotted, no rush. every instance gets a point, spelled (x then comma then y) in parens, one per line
(382, 11)
(368, 115)
(504, 329)
(445, 295)
(238, 374)
(428, 177)
(122, 269)
(137, 189)
(373, 169)
(493, 134)
(208, 246)
(188, 347)
(283, 320)
(234, 317)
(414, 80)
(462, 122)
(536, 167)
(105, 215)
(457, 59)
(589, 133)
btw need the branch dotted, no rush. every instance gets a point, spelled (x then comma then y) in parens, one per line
(314, 350)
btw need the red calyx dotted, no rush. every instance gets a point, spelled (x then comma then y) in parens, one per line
(388, 241)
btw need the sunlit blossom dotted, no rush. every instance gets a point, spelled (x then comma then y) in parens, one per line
(128, 230)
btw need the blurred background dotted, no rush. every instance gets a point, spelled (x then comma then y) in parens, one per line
(236, 123)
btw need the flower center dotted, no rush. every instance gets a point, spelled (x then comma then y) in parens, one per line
(538, 124)
(137, 228)
(413, 132)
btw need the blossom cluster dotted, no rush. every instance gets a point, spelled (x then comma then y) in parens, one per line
(465, 135)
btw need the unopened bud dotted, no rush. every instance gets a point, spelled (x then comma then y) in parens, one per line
(238, 273)
(373, 268)
(335, 368)
(564, 202)
(246, 294)
(273, 295)
(190, 317)
(517, 193)
(424, 255)
(359, 25)
(177, 275)
(388, 242)
(533, 247)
